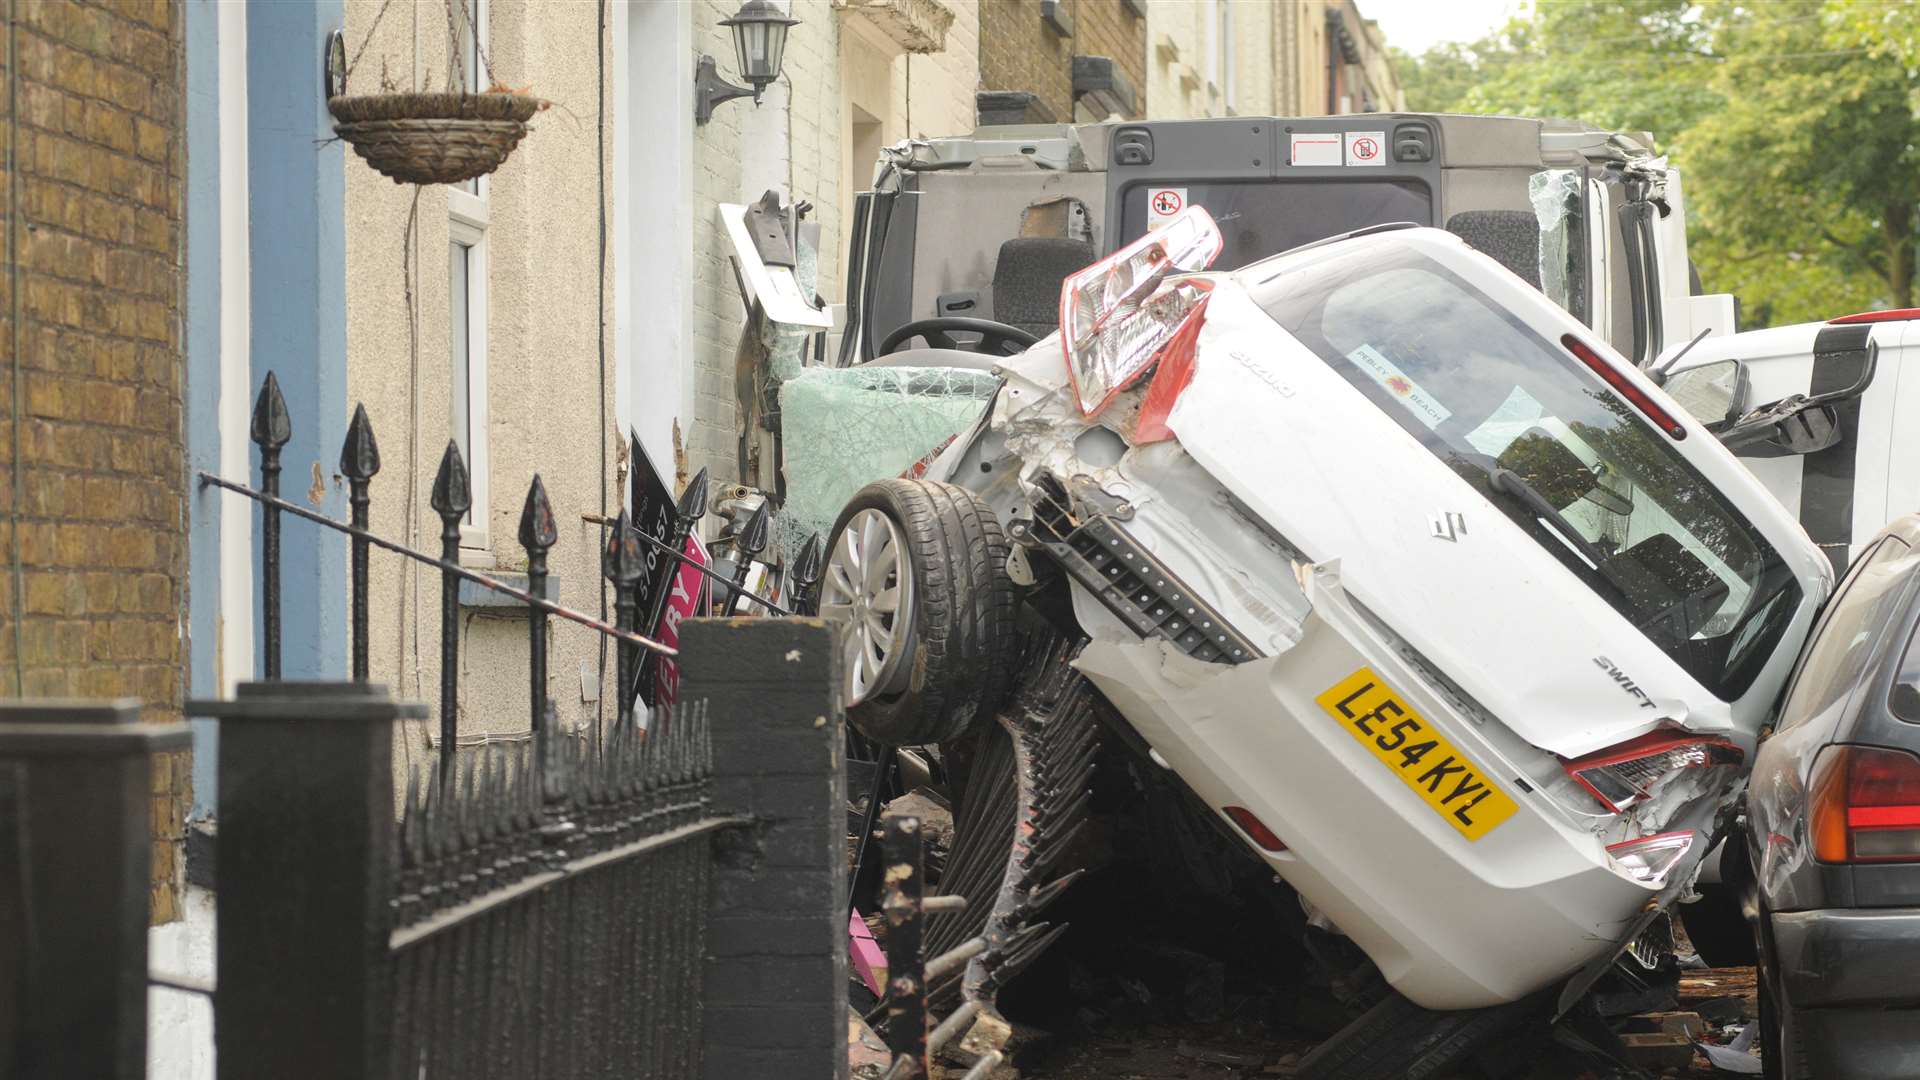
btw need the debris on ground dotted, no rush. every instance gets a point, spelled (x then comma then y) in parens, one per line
(936, 820)
(1151, 995)
(1657, 1051)
(867, 1054)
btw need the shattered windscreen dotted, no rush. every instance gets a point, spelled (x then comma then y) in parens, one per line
(843, 428)
(1561, 455)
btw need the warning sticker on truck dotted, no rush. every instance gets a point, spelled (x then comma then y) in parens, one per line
(1164, 204)
(1366, 147)
(1316, 148)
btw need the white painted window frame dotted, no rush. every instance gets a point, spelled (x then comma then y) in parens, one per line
(468, 213)
(234, 642)
(467, 228)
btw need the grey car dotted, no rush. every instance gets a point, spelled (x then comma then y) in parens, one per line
(1833, 833)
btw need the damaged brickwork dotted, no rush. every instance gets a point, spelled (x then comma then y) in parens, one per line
(95, 501)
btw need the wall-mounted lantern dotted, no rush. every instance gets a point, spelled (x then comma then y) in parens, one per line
(759, 40)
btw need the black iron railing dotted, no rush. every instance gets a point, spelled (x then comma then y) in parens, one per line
(634, 589)
(552, 909)
(909, 1029)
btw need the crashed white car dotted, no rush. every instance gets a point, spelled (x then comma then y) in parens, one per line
(1463, 625)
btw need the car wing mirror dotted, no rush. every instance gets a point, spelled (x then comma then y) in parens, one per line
(1714, 394)
(1794, 425)
(1798, 424)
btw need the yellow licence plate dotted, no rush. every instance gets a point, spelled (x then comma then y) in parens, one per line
(1444, 778)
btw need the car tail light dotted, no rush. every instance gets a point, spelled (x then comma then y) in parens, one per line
(1172, 377)
(1255, 829)
(1623, 775)
(1866, 805)
(1116, 314)
(1648, 859)
(1626, 387)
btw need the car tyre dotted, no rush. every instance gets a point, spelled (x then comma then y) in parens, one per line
(1398, 1040)
(1717, 929)
(917, 571)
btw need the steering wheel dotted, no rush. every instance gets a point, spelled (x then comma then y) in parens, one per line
(995, 337)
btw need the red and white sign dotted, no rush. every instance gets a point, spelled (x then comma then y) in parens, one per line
(1366, 148)
(686, 600)
(1164, 204)
(1315, 148)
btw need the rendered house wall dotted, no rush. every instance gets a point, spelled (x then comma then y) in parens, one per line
(546, 399)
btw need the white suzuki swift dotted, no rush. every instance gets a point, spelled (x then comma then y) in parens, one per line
(1465, 628)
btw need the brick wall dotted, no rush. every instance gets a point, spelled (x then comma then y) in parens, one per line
(97, 514)
(1109, 28)
(1020, 51)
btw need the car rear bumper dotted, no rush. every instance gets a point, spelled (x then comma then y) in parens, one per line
(1849, 977)
(1857, 1043)
(1860, 957)
(1452, 922)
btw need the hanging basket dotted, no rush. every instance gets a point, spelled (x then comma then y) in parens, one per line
(433, 138)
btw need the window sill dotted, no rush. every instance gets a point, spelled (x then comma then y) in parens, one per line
(475, 595)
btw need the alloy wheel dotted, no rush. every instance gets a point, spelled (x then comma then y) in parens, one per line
(869, 586)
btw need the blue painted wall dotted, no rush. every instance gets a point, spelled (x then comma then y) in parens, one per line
(296, 181)
(203, 381)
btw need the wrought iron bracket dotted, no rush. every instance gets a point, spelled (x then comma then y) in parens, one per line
(710, 90)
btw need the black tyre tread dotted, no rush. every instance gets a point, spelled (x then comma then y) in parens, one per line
(1397, 1039)
(962, 611)
(1717, 929)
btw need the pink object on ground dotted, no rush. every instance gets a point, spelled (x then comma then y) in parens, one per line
(866, 953)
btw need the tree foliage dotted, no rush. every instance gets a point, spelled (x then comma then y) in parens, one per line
(1793, 122)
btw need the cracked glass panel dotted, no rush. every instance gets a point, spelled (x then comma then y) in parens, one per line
(844, 428)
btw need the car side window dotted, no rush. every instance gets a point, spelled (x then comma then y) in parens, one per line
(1904, 700)
(1842, 641)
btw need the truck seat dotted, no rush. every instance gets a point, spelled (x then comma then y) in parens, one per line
(1512, 237)
(1027, 278)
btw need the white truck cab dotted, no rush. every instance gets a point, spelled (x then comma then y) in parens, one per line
(985, 226)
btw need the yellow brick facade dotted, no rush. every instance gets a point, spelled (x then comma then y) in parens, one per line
(95, 500)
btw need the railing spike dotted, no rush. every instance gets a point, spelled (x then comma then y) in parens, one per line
(623, 565)
(452, 497)
(693, 501)
(272, 427)
(538, 532)
(359, 461)
(537, 527)
(271, 430)
(360, 454)
(621, 561)
(806, 567)
(754, 534)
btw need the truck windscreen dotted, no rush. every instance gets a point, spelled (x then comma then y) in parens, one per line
(1259, 218)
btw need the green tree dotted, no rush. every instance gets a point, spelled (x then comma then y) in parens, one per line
(1793, 122)
(1630, 65)
(1811, 168)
